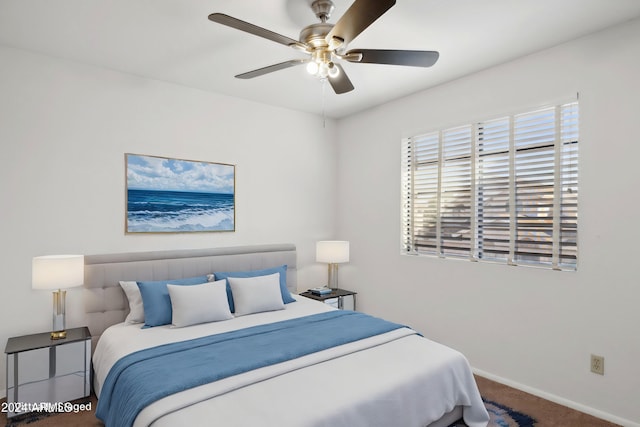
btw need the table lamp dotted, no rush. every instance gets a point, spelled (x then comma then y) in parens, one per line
(332, 252)
(58, 272)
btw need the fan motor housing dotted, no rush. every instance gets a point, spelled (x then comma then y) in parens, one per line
(315, 34)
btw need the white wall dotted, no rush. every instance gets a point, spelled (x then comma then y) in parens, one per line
(64, 129)
(529, 327)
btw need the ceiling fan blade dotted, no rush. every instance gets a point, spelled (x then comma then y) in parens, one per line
(412, 58)
(356, 19)
(232, 22)
(341, 82)
(271, 68)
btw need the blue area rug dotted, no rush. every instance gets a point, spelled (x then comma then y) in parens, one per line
(503, 416)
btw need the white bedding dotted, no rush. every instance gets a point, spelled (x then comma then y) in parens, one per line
(394, 379)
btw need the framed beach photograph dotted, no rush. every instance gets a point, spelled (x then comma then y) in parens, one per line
(166, 195)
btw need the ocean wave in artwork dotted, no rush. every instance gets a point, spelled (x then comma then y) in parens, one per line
(175, 211)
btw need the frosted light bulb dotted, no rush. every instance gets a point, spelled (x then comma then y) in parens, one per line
(333, 70)
(312, 67)
(323, 71)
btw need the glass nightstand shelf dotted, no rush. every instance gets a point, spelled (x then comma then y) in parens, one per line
(42, 370)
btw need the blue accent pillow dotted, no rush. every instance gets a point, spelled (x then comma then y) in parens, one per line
(286, 295)
(157, 302)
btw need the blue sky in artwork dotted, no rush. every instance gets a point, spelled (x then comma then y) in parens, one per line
(159, 173)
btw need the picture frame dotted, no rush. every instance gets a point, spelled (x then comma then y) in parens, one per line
(168, 195)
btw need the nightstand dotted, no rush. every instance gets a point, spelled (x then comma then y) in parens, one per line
(338, 298)
(41, 370)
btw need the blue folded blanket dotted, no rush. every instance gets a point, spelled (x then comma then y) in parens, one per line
(141, 378)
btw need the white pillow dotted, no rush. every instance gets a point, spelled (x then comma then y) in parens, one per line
(136, 309)
(199, 303)
(256, 294)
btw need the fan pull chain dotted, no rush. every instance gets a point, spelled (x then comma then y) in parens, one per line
(324, 92)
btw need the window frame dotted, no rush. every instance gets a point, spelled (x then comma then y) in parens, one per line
(529, 159)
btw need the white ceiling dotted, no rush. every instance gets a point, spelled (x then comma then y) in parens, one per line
(173, 41)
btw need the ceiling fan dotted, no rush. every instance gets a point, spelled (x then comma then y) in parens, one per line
(325, 43)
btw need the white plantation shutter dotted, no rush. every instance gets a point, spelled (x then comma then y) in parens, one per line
(534, 144)
(455, 192)
(503, 190)
(493, 191)
(420, 163)
(568, 224)
(406, 183)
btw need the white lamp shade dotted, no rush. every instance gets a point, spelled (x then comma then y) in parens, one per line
(332, 251)
(57, 271)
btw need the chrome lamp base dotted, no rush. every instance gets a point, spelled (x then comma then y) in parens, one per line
(59, 332)
(333, 276)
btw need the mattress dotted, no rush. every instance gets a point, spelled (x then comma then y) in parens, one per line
(398, 378)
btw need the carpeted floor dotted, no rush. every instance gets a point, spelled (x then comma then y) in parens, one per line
(544, 412)
(507, 407)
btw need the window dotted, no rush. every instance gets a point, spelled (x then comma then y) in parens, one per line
(503, 190)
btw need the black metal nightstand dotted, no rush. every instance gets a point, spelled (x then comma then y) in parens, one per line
(44, 371)
(338, 298)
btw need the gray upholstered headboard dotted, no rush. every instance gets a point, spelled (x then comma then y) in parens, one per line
(105, 301)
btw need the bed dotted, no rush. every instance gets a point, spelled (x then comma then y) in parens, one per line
(325, 367)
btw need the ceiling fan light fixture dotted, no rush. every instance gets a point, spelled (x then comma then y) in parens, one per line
(323, 43)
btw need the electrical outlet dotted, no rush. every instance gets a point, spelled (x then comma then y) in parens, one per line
(597, 364)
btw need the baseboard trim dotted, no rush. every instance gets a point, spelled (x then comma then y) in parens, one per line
(557, 399)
